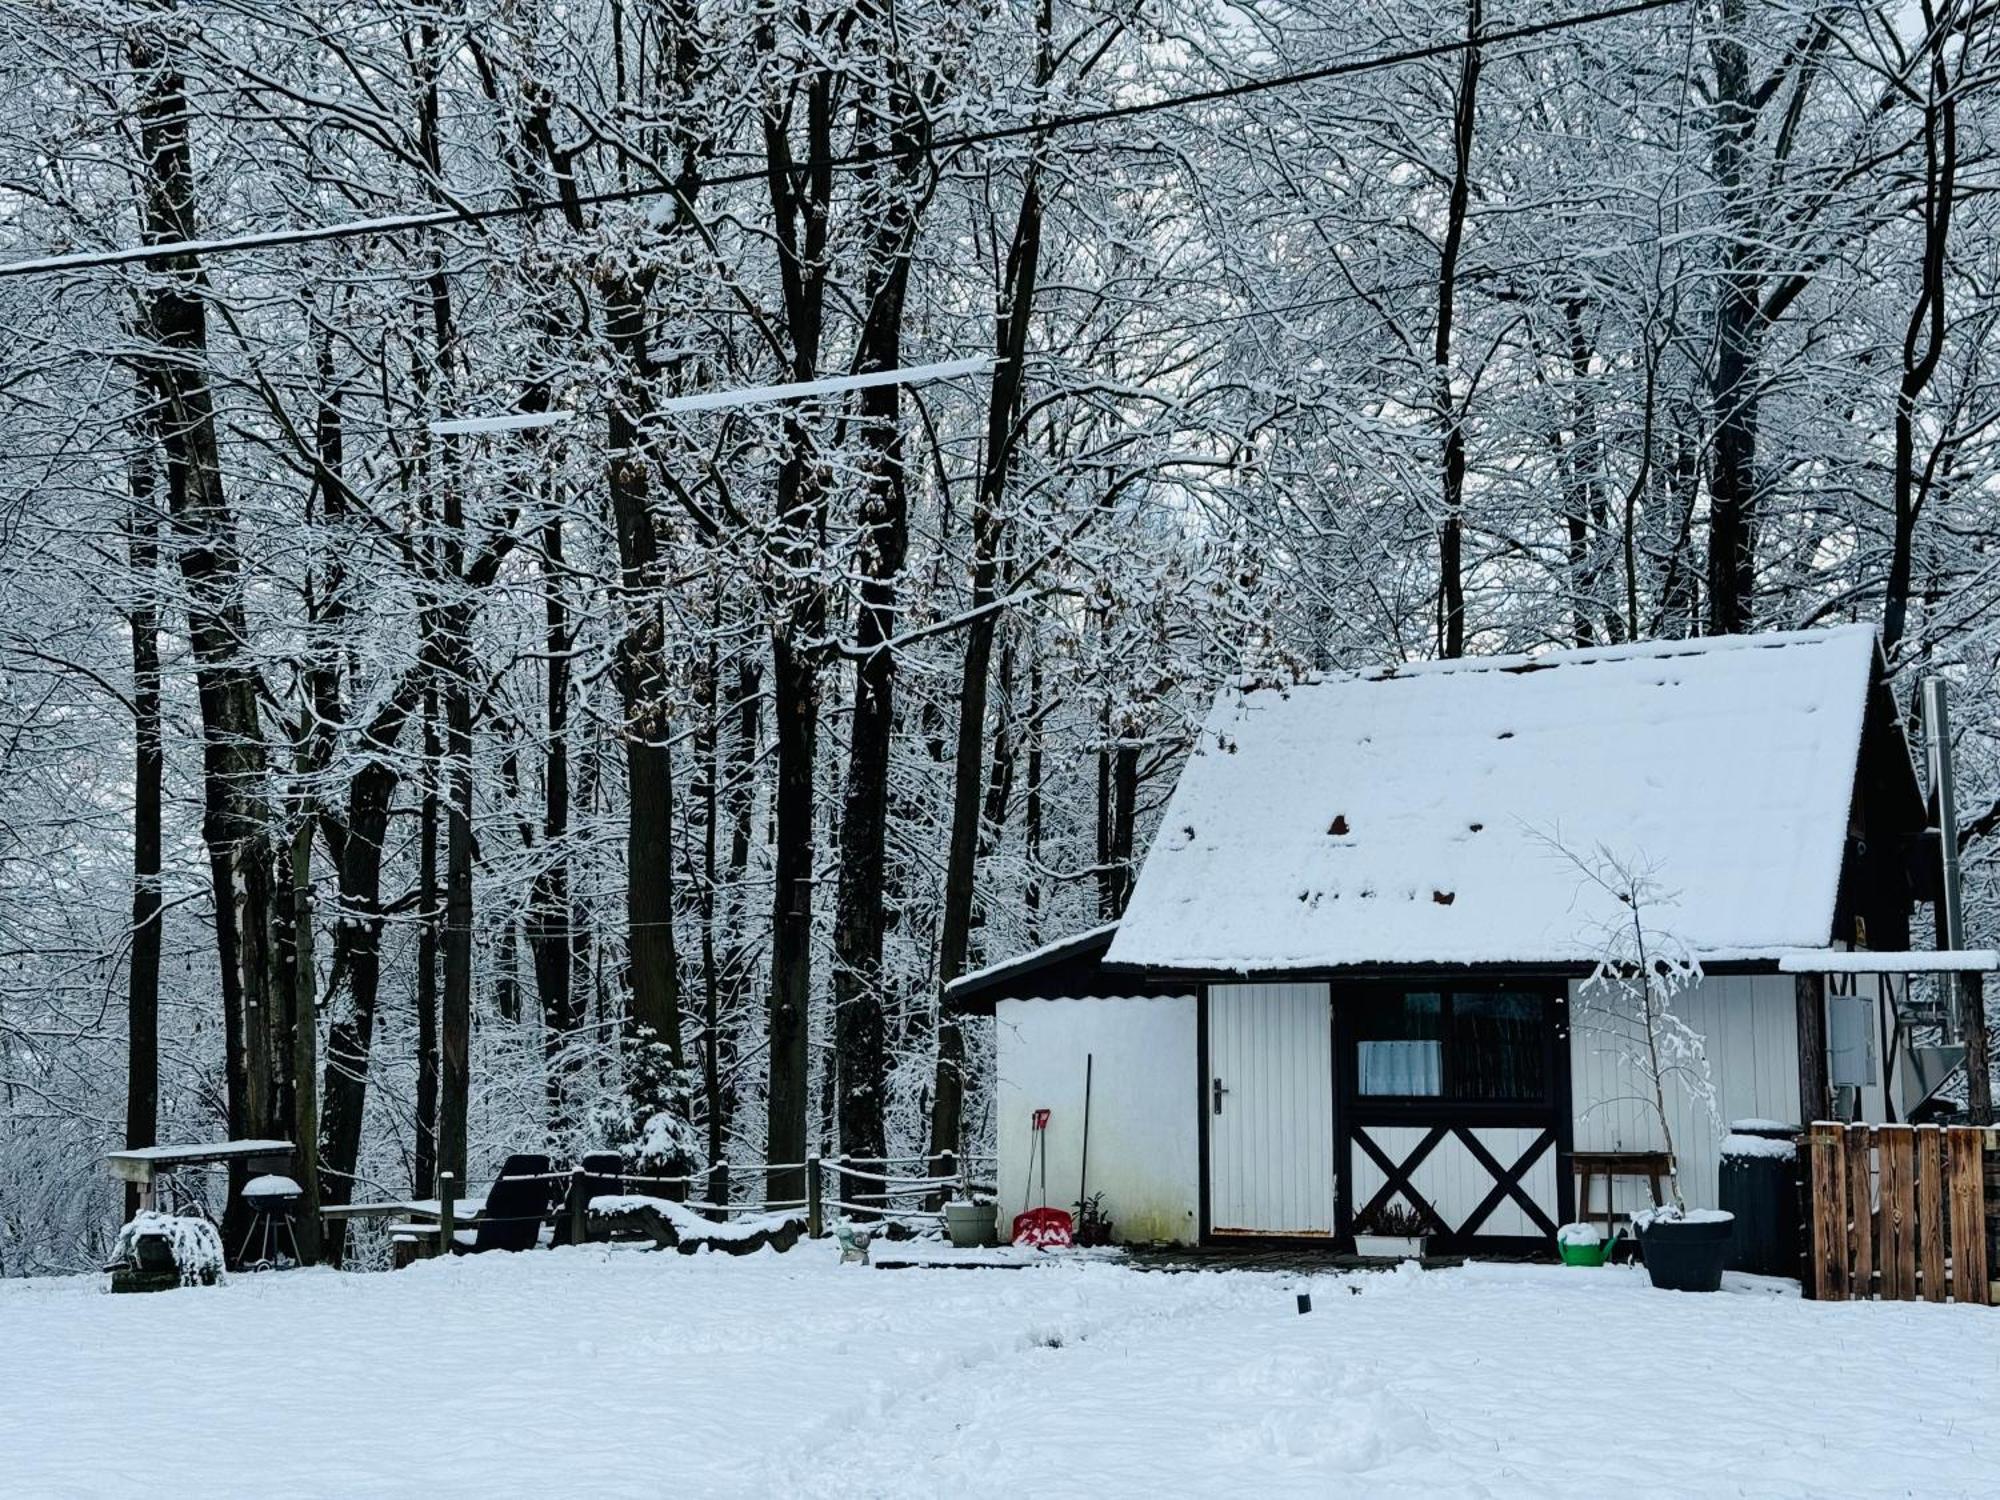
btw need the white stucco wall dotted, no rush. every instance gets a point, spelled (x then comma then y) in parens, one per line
(1749, 1025)
(1144, 1152)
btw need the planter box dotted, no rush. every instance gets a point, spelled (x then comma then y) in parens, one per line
(1390, 1246)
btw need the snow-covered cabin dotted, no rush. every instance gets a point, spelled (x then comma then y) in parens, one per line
(1352, 966)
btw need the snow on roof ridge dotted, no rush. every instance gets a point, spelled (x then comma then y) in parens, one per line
(1581, 656)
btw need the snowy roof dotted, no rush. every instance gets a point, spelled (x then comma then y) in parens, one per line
(1422, 814)
(1089, 944)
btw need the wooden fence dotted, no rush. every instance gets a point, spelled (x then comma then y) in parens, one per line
(1902, 1213)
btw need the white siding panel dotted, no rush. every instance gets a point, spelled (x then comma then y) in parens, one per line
(1749, 1027)
(1145, 1154)
(1271, 1147)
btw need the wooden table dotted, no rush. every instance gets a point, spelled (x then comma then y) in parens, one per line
(1611, 1165)
(142, 1165)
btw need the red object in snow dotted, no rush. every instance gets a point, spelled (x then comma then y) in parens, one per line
(1043, 1229)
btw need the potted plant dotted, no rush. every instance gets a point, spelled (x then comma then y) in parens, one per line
(1392, 1231)
(1629, 999)
(969, 1223)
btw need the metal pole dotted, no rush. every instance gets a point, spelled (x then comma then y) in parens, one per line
(1944, 808)
(1965, 1003)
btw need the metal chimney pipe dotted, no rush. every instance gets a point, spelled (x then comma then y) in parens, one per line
(1944, 810)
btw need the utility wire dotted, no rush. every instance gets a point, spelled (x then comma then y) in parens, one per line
(441, 218)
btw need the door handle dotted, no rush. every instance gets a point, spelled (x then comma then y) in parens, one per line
(1219, 1092)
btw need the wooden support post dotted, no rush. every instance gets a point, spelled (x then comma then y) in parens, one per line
(1930, 1211)
(1978, 1050)
(815, 1215)
(1815, 1092)
(1968, 1214)
(447, 1211)
(579, 1206)
(1898, 1252)
(1860, 1212)
(1827, 1234)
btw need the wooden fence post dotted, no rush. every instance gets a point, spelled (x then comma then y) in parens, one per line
(1968, 1214)
(1860, 1212)
(815, 1216)
(1826, 1236)
(1898, 1255)
(1930, 1210)
(447, 1211)
(1991, 1201)
(579, 1206)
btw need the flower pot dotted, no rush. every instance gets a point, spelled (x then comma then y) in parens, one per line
(1685, 1254)
(970, 1225)
(1390, 1246)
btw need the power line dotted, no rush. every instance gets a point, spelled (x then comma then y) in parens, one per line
(442, 218)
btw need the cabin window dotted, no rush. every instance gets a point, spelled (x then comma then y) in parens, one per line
(1476, 1045)
(1401, 1047)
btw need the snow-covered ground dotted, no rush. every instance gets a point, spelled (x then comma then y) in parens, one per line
(599, 1373)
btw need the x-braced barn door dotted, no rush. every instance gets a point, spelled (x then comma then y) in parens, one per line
(1270, 1109)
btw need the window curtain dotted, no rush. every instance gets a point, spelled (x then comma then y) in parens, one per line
(1405, 1069)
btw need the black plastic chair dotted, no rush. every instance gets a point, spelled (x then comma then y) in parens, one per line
(517, 1206)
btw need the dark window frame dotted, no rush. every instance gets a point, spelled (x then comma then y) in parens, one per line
(1448, 992)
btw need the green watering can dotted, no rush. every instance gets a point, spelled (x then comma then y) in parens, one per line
(1589, 1255)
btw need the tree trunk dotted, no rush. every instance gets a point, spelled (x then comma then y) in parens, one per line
(304, 1060)
(1923, 337)
(795, 710)
(424, 1165)
(142, 1055)
(1732, 486)
(801, 197)
(357, 963)
(1450, 414)
(455, 1017)
(549, 929)
(652, 1022)
(234, 824)
(1013, 313)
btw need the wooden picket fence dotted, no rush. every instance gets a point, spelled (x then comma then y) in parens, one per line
(1902, 1213)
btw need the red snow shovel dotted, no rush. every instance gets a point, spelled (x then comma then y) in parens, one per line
(1041, 1228)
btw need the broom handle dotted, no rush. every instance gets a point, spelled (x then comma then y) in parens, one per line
(1083, 1161)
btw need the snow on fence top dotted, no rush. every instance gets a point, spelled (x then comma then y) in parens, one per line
(1404, 815)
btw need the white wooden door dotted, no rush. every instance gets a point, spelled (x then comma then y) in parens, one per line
(1270, 1109)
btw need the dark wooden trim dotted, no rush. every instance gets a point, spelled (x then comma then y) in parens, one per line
(1201, 1077)
(1506, 1182)
(1565, 1104)
(1441, 1118)
(1396, 1175)
(1815, 1092)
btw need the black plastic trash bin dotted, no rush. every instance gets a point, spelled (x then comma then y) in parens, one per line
(1759, 1184)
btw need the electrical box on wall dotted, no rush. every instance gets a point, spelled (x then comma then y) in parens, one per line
(1850, 1038)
